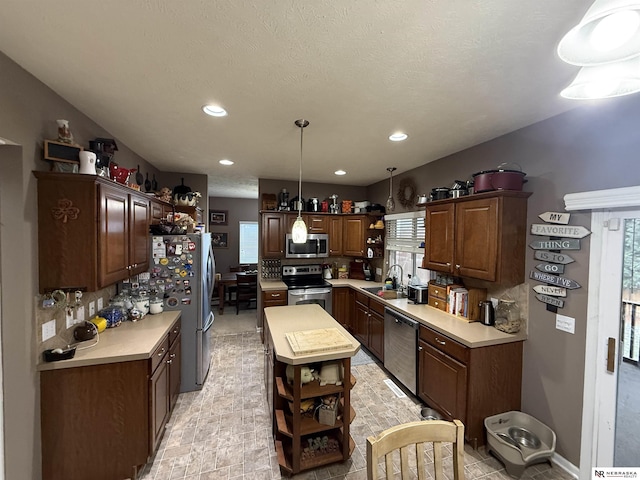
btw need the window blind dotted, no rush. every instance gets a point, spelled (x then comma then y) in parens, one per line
(405, 231)
(248, 242)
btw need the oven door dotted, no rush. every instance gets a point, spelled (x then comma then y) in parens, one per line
(303, 296)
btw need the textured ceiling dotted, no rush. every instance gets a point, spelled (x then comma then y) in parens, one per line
(451, 73)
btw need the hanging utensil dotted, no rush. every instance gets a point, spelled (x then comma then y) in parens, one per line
(139, 178)
(147, 183)
(154, 183)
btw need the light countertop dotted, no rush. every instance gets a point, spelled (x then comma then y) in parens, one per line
(470, 334)
(126, 342)
(293, 318)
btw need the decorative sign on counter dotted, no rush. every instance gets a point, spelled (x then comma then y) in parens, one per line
(554, 280)
(569, 231)
(555, 217)
(550, 290)
(556, 302)
(550, 267)
(314, 341)
(553, 257)
(556, 244)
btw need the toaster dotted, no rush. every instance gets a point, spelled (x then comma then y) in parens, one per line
(418, 293)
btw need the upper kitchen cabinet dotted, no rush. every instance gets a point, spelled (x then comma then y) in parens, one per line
(354, 235)
(314, 223)
(272, 236)
(481, 236)
(335, 235)
(92, 232)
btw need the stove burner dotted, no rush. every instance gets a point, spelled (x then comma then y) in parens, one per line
(303, 276)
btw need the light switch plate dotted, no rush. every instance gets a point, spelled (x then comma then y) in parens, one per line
(80, 313)
(379, 271)
(48, 330)
(566, 324)
(100, 303)
(92, 309)
(69, 317)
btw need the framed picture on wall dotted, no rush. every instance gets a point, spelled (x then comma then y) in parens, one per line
(218, 217)
(219, 240)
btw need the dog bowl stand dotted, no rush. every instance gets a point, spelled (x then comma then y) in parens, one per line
(517, 458)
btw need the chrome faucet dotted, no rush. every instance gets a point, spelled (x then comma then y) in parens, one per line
(395, 265)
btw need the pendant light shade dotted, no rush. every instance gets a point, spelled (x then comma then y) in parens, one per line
(299, 228)
(605, 81)
(609, 32)
(391, 204)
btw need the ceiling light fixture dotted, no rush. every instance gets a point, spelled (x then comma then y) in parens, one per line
(340, 172)
(398, 137)
(299, 229)
(605, 81)
(391, 204)
(214, 110)
(225, 162)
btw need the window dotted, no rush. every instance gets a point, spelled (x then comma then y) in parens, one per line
(248, 242)
(405, 234)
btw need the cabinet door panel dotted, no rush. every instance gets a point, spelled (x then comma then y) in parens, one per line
(335, 235)
(361, 324)
(477, 238)
(443, 382)
(439, 238)
(114, 236)
(159, 388)
(273, 235)
(175, 354)
(340, 304)
(354, 235)
(139, 234)
(376, 335)
(317, 223)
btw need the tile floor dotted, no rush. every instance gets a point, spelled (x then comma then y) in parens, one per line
(223, 431)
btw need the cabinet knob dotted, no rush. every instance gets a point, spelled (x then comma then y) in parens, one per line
(275, 295)
(420, 349)
(448, 264)
(161, 353)
(441, 342)
(169, 362)
(436, 303)
(458, 266)
(173, 355)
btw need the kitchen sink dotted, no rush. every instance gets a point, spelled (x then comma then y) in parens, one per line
(372, 289)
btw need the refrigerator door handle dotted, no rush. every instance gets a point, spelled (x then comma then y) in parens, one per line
(209, 323)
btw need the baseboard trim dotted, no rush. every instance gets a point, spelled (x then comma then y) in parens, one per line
(567, 466)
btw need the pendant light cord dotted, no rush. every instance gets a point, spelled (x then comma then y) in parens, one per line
(300, 177)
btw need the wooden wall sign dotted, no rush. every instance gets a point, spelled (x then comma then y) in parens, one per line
(550, 290)
(554, 280)
(555, 217)
(550, 267)
(553, 257)
(559, 244)
(569, 231)
(556, 302)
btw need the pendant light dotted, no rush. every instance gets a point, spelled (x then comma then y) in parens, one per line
(299, 229)
(391, 204)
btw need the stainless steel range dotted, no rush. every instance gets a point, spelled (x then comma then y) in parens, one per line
(306, 285)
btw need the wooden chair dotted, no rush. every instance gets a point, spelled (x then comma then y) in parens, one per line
(247, 289)
(410, 438)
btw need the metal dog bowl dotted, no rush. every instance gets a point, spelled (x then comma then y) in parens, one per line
(524, 437)
(430, 414)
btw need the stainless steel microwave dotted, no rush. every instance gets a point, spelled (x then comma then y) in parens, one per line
(316, 246)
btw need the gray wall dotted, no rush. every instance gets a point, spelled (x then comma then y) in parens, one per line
(592, 147)
(27, 117)
(310, 189)
(238, 209)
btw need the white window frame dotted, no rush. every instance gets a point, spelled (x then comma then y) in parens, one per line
(407, 240)
(241, 247)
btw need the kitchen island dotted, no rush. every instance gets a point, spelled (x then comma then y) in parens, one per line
(303, 438)
(103, 412)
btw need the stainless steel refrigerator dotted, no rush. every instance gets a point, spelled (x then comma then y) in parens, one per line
(183, 271)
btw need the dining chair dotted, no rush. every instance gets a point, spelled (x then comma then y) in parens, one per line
(403, 448)
(231, 289)
(246, 290)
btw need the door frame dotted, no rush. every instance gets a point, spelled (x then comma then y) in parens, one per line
(600, 202)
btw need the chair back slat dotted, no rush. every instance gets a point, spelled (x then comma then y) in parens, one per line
(409, 440)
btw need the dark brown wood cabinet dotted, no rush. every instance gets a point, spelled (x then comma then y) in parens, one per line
(368, 325)
(342, 307)
(469, 384)
(120, 408)
(273, 230)
(274, 298)
(92, 232)
(159, 210)
(354, 235)
(335, 235)
(481, 236)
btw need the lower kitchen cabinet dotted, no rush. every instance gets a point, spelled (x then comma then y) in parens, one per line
(105, 421)
(368, 325)
(342, 306)
(469, 384)
(274, 298)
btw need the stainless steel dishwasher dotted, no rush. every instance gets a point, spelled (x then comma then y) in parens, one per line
(401, 348)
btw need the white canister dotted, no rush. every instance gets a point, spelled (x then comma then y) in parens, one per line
(87, 162)
(156, 305)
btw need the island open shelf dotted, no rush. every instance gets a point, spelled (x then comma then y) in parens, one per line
(302, 440)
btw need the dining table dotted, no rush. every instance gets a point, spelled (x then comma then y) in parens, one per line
(228, 279)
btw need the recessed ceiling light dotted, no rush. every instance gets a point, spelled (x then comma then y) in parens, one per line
(398, 137)
(340, 172)
(226, 162)
(214, 111)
